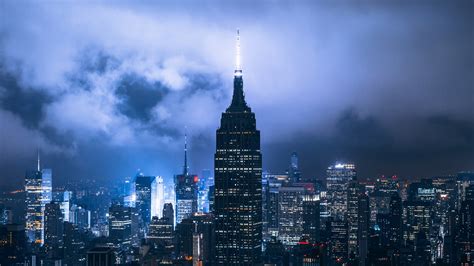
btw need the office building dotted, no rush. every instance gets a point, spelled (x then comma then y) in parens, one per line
(38, 187)
(120, 225)
(186, 190)
(143, 190)
(337, 181)
(238, 181)
(53, 229)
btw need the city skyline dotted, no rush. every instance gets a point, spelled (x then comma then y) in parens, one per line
(345, 81)
(345, 170)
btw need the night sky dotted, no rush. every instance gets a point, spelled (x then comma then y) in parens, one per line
(104, 89)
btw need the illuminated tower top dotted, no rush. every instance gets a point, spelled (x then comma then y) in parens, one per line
(185, 168)
(238, 98)
(39, 165)
(238, 66)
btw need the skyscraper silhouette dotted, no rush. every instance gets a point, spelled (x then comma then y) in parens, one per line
(238, 181)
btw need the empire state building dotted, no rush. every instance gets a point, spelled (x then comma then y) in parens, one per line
(238, 181)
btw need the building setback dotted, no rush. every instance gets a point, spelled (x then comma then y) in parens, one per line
(238, 181)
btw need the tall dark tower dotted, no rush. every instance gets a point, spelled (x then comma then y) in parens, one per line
(238, 181)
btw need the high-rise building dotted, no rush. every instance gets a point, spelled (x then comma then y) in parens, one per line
(53, 229)
(38, 187)
(161, 231)
(4, 213)
(63, 198)
(396, 221)
(12, 244)
(143, 191)
(311, 219)
(294, 174)
(465, 239)
(196, 239)
(271, 184)
(238, 181)
(74, 244)
(363, 228)
(418, 221)
(186, 190)
(210, 196)
(358, 217)
(205, 181)
(101, 256)
(337, 181)
(353, 193)
(338, 242)
(158, 199)
(80, 216)
(290, 214)
(168, 212)
(120, 225)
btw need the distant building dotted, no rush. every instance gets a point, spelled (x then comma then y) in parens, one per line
(80, 216)
(338, 242)
(143, 191)
(12, 244)
(186, 191)
(290, 214)
(354, 193)
(196, 239)
(337, 181)
(210, 197)
(465, 240)
(158, 199)
(294, 174)
(363, 228)
(396, 221)
(75, 240)
(100, 256)
(120, 225)
(271, 184)
(63, 198)
(311, 218)
(53, 229)
(161, 231)
(168, 213)
(38, 187)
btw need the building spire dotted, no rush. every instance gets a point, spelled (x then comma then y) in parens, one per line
(238, 66)
(39, 164)
(185, 168)
(238, 103)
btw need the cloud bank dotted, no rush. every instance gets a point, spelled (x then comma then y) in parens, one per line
(105, 89)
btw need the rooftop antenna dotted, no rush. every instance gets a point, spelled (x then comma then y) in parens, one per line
(185, 151)
(39, 164)
(238, 65)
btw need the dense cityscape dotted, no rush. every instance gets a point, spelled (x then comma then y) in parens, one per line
(317, 133)
(238, 214)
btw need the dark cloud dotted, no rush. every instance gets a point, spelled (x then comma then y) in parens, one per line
(139, 97)
(26, 103)
(105, 89)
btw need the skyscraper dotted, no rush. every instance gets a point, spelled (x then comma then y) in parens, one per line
(38, 193)
(186, 190)
(143, 190)
(238, 181)
(311, 215)
(294, 174)
(290, 214)
(120, 225)
(353, 193)
(158, 200)
(53, 229)
(168, 213)
(337, 181)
